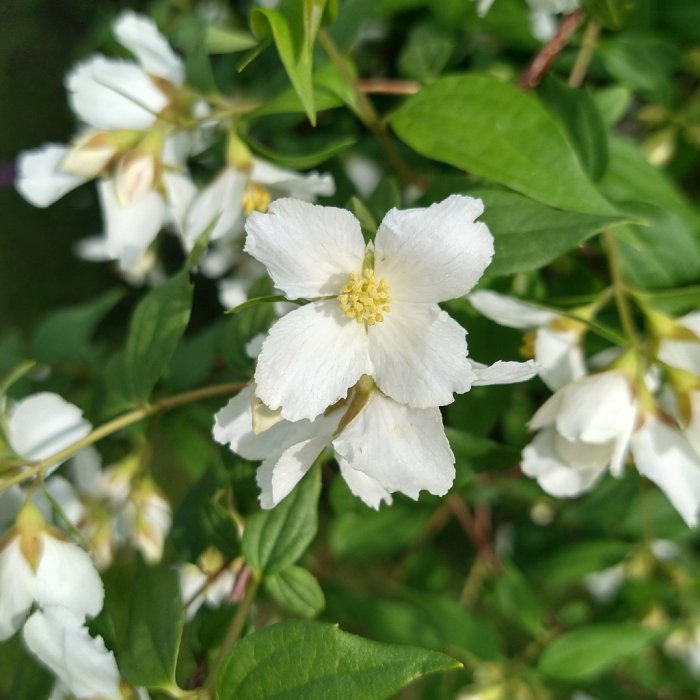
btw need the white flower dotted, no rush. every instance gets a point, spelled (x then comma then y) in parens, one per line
(57, 636)
(209, 581)
(584, 429)
(146, 519)
(682, 349)
(543, 23)
(374, 310)
(43, 424)
(36, 567)
(557, 341)
(380, 445)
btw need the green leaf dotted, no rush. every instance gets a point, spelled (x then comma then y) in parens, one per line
(226, 40)
(577, 111)
(316, 661)
(613, 103)
(293, 28)
(425, 53)
(66, 333)
(480, 124)
(303, 160)
(612, 14)
(156, 327)
(528, 235)
(148, 653)
(274, 539)
(517, 601)
(249, 303)
(587, 652)
(297, 591)
(571, 563)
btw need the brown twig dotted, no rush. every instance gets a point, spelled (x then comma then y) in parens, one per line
(477, 527)
(533, 74)
(383, 86)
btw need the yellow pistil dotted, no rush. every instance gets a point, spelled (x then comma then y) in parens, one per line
(364, 298)
(256, 197)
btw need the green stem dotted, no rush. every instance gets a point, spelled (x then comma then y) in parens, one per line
(620, 290)
(118, 424)
(368, 114)
(233, 634)
(585, 54)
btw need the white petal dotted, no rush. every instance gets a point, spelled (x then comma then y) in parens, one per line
(279, 474)
(404, 449)
(180, 192)
(92, 248)
(663, 455)
(67, 577)
(596, 408)
(59, 639)
(219, 203)
(560, 357)
(433, 254)
(86, 471)
(193, 583)
(17, 584)
(64, 494)
(10, 503)
(684, 354)
(310, 359)
(308, 250)
(691, 321)
(503, 372)
(43, 424)
(419, 355)
(130, 230)
(692, 431)
(109, 94)
(362, 485)
(305, 186)
(509, 312)
(364, 173)
(558, 476)
(40, 179)
(140, 35)
(543, 25)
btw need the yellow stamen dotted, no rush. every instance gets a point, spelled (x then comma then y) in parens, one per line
(364, 298)
(256, 197)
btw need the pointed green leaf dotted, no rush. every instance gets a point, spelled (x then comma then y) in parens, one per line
(156, 327)
(489, 128)
(612, 14)
(316, 661)
(148, 653)
(274, 539)
(297, 591)
(226, 40)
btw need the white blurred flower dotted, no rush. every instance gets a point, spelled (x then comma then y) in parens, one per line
(604, 585)
(374, 309)
(543, 16)
(685, 645)
(146, 519)
(556, 341)
(210, 581)
(37, 567)
(43, 424)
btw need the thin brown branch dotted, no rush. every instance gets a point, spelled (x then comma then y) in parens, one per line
(533, 74)
(384, 86)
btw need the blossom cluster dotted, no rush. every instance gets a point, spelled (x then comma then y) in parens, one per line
(620, 402)
(367, 359)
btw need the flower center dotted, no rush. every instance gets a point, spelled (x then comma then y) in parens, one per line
(256, 197)
(364, 298)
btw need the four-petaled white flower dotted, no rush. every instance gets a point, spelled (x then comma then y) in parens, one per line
(374, 308)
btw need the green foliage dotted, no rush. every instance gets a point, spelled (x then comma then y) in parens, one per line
(296, 590)
(312, 660)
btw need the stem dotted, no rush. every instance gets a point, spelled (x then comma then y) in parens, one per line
(585, 54)
(620, 290)
(119, 423)
(368, 114)
(232, 635)
(384, 86)
(533, 74)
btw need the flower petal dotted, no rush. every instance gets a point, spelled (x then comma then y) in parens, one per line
(130, 230)
(560, 357)
(596, 408)
(308, 250)
(503, 372)
(419, 355)
(43, 424)
(365, 487)
(563, 475)
(433, 254)
(684, 354)
(509, 312)
(109, 94)
(218, 204)
(67, 577)
(17, 584)
(404, 449)
(663, 455)
(140, 35)
(60, 640)
(40, 179)
(309, 360)
(305, 186)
